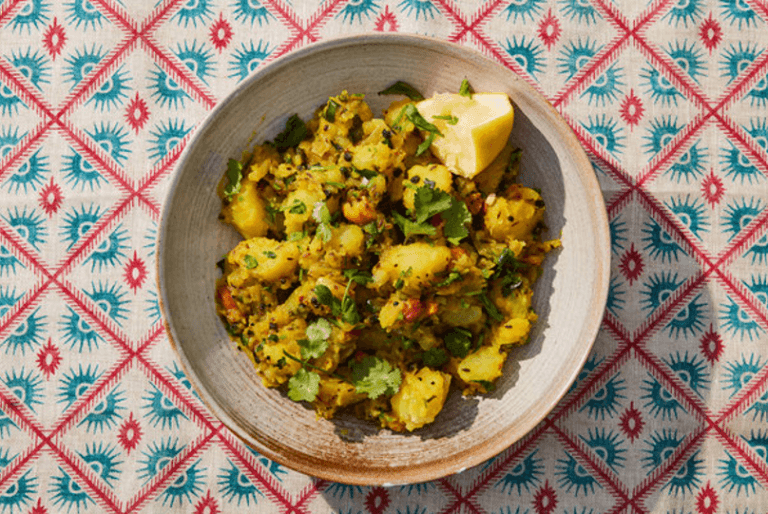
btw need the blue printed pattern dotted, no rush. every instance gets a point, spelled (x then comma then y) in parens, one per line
(670, 99)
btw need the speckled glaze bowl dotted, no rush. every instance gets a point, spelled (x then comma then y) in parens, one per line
(570, 296)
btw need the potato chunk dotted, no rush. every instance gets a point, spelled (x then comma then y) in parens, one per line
(246, 212)
(514, 215)
(262, 258)
(415, 264)
(483, 366)
(420, 398)
(334, 394)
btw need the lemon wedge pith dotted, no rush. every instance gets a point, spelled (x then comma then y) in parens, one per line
(475, 129)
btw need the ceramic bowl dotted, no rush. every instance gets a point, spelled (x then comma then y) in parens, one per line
(570, 296)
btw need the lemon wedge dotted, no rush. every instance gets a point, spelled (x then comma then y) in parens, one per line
(475, 129)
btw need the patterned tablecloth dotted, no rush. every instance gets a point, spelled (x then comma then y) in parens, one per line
(670, 99)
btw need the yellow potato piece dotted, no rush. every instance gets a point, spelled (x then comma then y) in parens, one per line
(247, 212)
(476, 131)
(420, 398)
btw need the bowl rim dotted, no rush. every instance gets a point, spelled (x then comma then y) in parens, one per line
(439, 467)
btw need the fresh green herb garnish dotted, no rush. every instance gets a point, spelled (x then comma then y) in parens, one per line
(271, 213)
(434, 357)
(506, 271)
(490, 308)
(452, 277)
(458, 342)
(250, 262)
(330, 110)
(317, 339)
(449, 118)
(297, 236)
(324, 295)
(356, 130)
(304, 386)
(514, 157)
(294, 133)
(488, 386)
(414, 116)
(346, 309)
(429, 202)
(297, 207)
(456, 219)
(269, 254)
(465, 89)
(372, 229)
(358, 276)
(322, 216)
(411, 228)
(375, 376)
(234, 178)
(424, 145)
(403, 88)
(369, 174)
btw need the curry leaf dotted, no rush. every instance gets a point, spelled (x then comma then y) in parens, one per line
(403, 88)
(294, 133)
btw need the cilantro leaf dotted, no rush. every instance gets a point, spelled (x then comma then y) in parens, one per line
(434, 357)
(294, 133)
(234, 177)
(324, 295)
(485, 384)
(320, 330)
(346, 308)
(452, 277)
(375, 377)
(304, 386)
(456, 218)
(365, 172)
(322, 216)
(250, 262)
(506, 272)
(312, 348)
(349, 312)
(297, 207)
(428, 202)
(317, 342)
(458, 342)
(465, 89)
(411, 228)
(358, 276)
(403, 88)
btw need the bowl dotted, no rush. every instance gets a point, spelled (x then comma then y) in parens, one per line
(570, 296)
